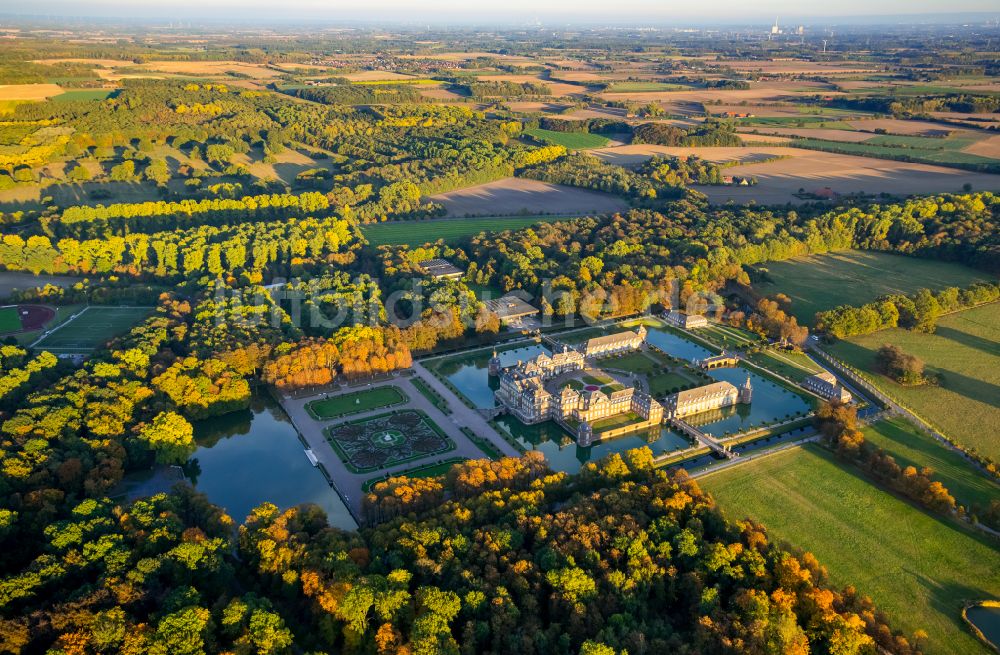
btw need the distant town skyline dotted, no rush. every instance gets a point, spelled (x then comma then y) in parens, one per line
(510, 11)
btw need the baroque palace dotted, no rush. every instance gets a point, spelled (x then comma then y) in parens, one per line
(590, 405)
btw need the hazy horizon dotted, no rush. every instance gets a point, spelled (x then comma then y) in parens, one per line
(511, 11)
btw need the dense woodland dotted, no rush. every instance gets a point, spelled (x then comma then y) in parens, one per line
(502, 557)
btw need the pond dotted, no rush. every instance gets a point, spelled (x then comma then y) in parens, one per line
(255, 456)
(987, 619)
(563, 454)
(676, 346)
(470, 374)
(771, 402)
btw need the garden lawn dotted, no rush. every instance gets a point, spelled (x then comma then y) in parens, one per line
(356, 402)
(855, 277)
(666, 383)
(964, 353)
(918, 568)
(632, 362)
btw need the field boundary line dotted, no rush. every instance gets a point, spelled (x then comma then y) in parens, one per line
(60, 326)
(897, 406)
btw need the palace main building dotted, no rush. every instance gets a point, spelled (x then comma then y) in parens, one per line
(548, 387)
(562, 388)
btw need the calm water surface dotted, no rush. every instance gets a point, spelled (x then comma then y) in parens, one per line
(255, 456)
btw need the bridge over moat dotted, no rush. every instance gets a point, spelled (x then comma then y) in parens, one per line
(703, 438)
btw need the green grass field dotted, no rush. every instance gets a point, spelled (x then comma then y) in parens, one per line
(867, 149)
(427, 471)
(645, 87)
(356, 402)
(84, 94)
(10, 321)
(92, 328)
(911, 446)
(923, 142)
(415, 233)
(635, 362)
(795, 366)
(806, 120)
(727, 337)
(965, 353)
(571, 140)
(916, 567)
(854, 277)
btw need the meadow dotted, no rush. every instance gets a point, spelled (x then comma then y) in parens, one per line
(569, 140)
(964, 356)
(91, 328)
(854, 277)
(795, 366)
(913, 447)
(918, 568)
(415, 233)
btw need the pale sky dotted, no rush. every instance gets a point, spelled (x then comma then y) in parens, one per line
(512, 11)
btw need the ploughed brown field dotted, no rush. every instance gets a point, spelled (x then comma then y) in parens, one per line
(514, 195)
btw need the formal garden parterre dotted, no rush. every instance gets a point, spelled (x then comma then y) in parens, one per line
(387, 440)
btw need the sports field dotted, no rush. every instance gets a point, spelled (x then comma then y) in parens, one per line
(854, 277)
(356, 402)
(91, 328)
(415, 233)
(570, 140)
(916, 567)
(964, 354)
(10, 320)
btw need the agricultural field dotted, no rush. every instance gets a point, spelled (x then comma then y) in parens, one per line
(964, 355)
(854, 277)
(634, 87)
(514, 195)
(29, 91)
(415, 233)
(84, 94)
(945, 152)
(913, 447)
(779, 181)
(569, 140)
(918, 568)
(356, 402)
(91, 328)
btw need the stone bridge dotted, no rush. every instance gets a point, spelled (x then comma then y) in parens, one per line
(704, 439)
